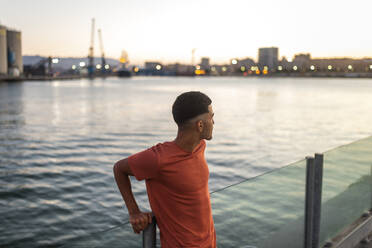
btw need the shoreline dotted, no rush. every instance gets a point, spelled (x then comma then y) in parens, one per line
(276, 75)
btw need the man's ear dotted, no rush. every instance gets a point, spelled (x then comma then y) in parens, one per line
(200, 125)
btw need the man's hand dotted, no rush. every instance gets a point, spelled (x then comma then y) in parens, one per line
(140, 221)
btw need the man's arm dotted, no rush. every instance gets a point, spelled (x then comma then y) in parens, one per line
(138, 219)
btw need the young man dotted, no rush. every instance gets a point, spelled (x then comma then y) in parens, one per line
(176, 175)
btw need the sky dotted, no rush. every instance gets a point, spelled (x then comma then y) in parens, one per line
(168, 30)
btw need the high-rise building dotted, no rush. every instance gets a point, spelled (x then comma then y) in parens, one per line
(3, 53)
(14, 47)
(268, 56)
(11, 61)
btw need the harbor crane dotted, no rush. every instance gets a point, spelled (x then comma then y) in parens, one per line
(193, 56)
(91, 51)
(103, 60)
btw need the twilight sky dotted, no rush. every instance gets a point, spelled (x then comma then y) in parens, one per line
(167, 30)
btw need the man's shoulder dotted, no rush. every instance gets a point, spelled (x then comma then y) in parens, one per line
(164, 146)
(161, 149)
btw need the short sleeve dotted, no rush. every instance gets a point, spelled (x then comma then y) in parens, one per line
(144, 165)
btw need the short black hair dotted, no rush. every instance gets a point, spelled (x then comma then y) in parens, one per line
(188, 105)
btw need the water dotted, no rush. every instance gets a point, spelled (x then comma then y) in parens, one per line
(59, 140)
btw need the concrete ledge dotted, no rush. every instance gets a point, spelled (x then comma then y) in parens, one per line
(354, 234)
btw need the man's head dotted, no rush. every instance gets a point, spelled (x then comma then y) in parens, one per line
(192, 111)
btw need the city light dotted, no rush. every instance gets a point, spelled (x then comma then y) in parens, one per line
(213, 68)
(312, 68)
(73, 67)
(329, 67)
(234, 61)
(107, 67)
(136, 69)
(350, 67)
(370, 67)
(224, 69)
(295, 68)
(242, 68)
(55, 61)
(158, 67)
(280, 68)
(98, 66)
(82, 64)
(199, 72)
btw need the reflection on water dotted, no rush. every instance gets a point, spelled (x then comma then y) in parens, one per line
(59, 140)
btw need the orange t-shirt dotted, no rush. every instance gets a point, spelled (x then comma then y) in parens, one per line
(177, 187)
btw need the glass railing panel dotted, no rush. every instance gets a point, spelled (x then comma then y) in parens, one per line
(266, 211)
(346, 187)
(119, 236)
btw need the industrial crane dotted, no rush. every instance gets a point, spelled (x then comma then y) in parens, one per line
(91, 52)
(102, 51)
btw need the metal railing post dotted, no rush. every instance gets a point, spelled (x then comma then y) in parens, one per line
(309, 202)
(370, 180)
(313, 200)
(318, 183)
(149, 235)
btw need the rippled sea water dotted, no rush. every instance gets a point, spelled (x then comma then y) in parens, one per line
(60, 139)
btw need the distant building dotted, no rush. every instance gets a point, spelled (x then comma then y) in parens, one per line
(205, 63)
(284, 65)
(241, 65)
(10, 52)
(342, 65)
(14, 49)
(153, 66)
(178, 69)
(3, 51)
(221, 70)
(302, 62)
(268, 56)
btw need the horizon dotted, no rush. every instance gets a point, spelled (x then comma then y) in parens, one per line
(167, 31)
(175, 62)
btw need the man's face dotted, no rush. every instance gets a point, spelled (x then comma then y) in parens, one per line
(208, 124)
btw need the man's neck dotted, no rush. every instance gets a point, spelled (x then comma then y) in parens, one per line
(188, 142)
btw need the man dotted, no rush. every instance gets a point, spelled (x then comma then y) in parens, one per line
(176, 175)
